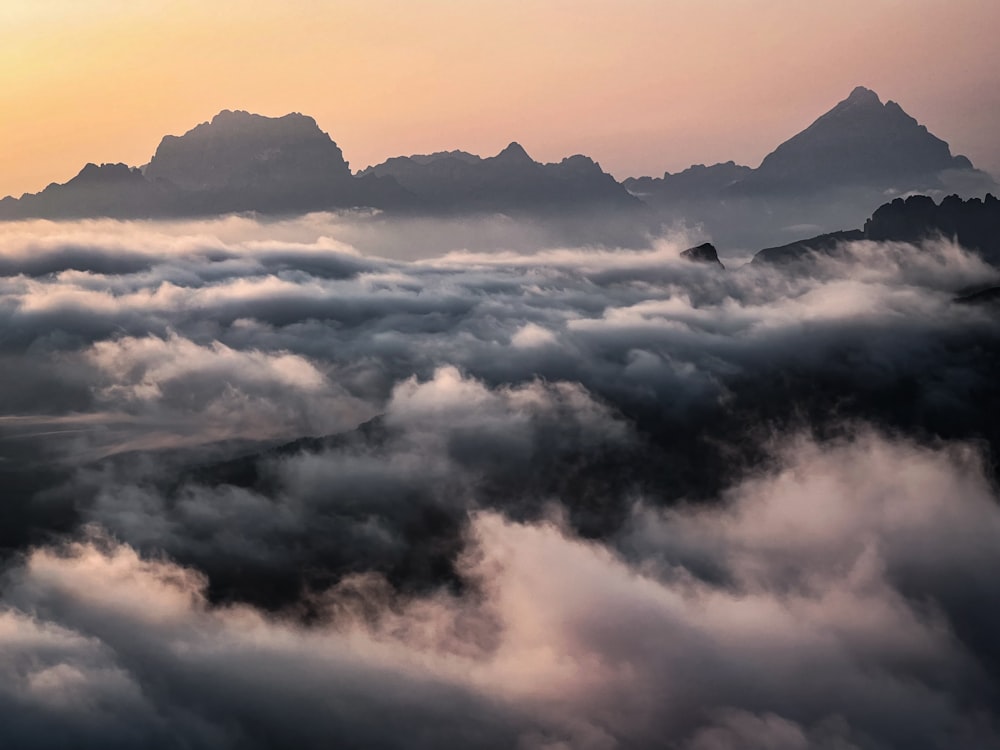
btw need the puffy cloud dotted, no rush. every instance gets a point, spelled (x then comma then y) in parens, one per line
(807, 638)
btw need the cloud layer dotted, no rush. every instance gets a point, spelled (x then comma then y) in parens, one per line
(267, 489)
(810, 609)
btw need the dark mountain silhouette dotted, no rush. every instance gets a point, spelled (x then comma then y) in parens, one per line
(703, 253)
(237, 162)
(246, 162)
(241, 161)
(247, 151)
(105, 190)
(974, 224)
(861, 141)
(826, 177)
(830, 244)
(509, 181)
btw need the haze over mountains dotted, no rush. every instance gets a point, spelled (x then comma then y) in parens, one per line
(829, 176)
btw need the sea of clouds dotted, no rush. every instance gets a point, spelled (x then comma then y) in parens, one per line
(357, 482)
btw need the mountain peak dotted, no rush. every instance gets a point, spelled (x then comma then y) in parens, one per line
(703, 253)
(861, 141)
(514, 153)
(238, 149)
(860, 94)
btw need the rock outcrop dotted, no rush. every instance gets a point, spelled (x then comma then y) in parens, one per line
(973, 224)
(703, 253)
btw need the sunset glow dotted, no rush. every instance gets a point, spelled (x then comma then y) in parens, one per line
(643, 86)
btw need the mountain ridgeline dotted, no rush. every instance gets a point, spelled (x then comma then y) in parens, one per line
(973, 224)
(457, 180)
(286, 165)
(828, 176)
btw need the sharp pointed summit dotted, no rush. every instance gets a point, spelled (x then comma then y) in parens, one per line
(862, 142)
(514, 153)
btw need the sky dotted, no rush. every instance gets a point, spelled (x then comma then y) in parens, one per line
(643, 86)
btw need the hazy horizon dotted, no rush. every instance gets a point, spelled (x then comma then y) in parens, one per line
(642, 88)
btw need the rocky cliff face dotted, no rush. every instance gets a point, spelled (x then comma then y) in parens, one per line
(974, 224)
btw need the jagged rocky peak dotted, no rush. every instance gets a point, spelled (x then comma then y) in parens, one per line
(703, 253)
(237, 149)
(973, 223)
(861, 141)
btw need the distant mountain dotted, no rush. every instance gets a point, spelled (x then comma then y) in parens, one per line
(509, 181)
(974, 224)
(236, 162)
(241, 161)
(105, 190)
(246, 162)
(825, 177)
(861, 141)
(694, 183)
(240, 150)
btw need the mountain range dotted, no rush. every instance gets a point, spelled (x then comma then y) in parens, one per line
(826, 177)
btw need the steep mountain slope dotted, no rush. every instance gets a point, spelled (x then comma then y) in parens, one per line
(861, 141)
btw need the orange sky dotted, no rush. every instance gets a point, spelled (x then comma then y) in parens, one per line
(641, 85)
